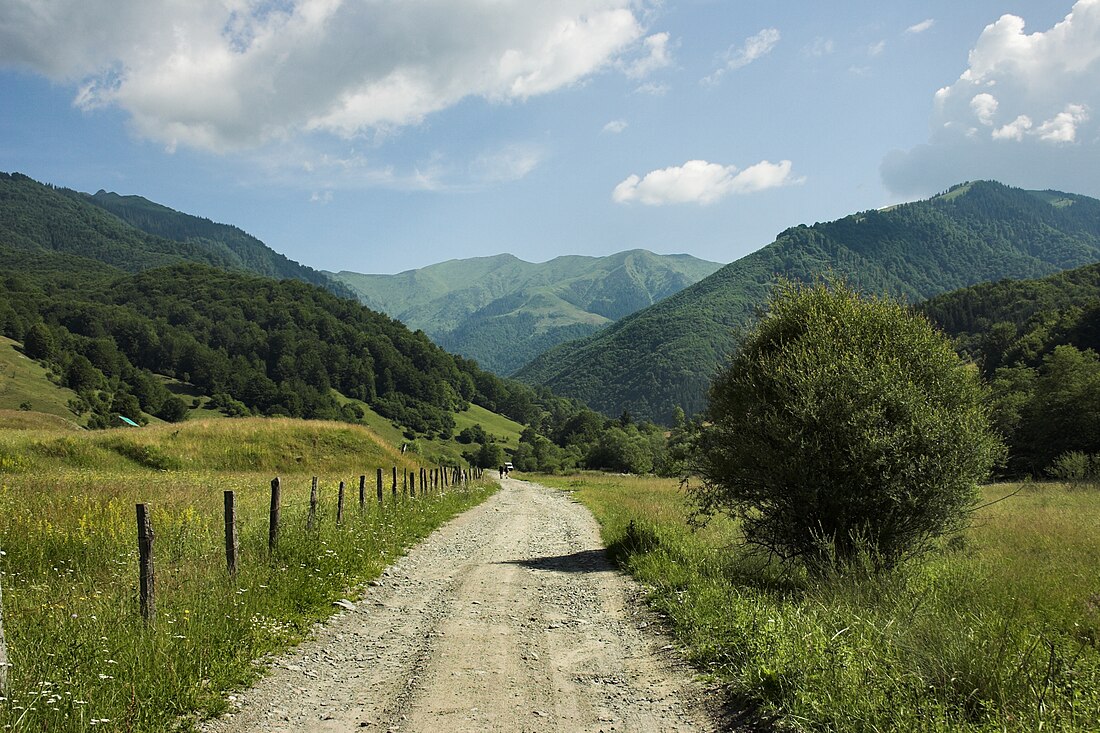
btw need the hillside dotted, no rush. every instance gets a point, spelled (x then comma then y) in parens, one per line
(1037, 342)
(132, 234)
(503, 311)
(663, 357)
(232, 245)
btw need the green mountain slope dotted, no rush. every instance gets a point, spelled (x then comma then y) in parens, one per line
(1037, 343)
(1014, 322)
(232, 245)
(664, 356)
(132, 234)
(503, 311)
(40, 219)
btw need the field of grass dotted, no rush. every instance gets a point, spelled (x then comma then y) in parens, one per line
(1000, 631)
(23, 380)
(82, 656)
(506, 431)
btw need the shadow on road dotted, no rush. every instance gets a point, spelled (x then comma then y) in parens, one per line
(585, 561)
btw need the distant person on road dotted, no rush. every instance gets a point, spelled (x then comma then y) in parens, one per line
(502, 471)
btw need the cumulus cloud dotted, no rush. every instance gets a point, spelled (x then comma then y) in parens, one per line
(984, 106)
(1020, 111)
(615, 126)
(700, 182)
(737, 57)
(229, 74)
(921, 27)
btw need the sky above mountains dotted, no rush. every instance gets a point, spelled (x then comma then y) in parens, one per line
(380, 136)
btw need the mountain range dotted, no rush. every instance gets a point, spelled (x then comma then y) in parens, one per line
(503, 311)
(664, 356)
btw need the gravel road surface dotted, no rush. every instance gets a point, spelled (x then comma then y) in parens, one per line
(508, 618)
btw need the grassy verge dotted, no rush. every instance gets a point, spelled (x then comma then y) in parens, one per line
(998, 632)
(81, 654)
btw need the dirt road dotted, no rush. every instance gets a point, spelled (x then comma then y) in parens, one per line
(509, 618)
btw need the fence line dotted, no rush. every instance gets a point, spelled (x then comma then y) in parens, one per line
(145, 535)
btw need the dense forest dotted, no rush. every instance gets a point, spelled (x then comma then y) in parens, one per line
(1037, 343)
(664, 356)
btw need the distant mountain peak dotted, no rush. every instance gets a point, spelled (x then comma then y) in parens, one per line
(502, 310)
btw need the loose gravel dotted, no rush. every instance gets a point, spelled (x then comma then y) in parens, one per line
(508, 618)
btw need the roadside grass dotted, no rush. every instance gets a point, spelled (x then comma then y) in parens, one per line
(81, 654)
(998, 631)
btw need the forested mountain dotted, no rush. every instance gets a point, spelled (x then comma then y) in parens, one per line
(109, 305)
(664, 356)
(115, 315)
(132, 234)
(1037, 342)
(503, 311)
(241, 250)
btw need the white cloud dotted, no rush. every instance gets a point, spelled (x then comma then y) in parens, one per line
(922, 26)
(876, 49)
(1032, 95)
(1062, 128)
(700, 182)
(984, 106)
(657, 57)
(1014, 130)
(615, 126)
(754, 47)
(231, 74)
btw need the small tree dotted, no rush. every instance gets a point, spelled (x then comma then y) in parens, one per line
(843, 426)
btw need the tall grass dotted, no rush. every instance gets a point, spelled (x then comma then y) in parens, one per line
(1000, 631)
(82, 655)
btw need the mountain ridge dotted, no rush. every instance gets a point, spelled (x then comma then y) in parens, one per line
(664, 356)
(501, 310)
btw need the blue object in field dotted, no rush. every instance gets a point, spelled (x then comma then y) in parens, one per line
(128, 421)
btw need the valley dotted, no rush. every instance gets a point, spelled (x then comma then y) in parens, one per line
(493, 603)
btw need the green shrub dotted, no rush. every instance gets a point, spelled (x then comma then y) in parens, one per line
(844, 428)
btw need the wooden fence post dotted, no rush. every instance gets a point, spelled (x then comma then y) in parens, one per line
(340, 505)
(379, 486)
(312, 520)
(232, 547)
(412, 484)
(145, 555)
(362, 493)
(273, 517)
(395, 480)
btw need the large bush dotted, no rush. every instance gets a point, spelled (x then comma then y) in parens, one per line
(843, 428)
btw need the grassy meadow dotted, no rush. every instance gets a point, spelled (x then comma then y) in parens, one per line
(81, 654)
(999, 631)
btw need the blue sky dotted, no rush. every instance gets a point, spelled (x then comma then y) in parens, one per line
(378, 136)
